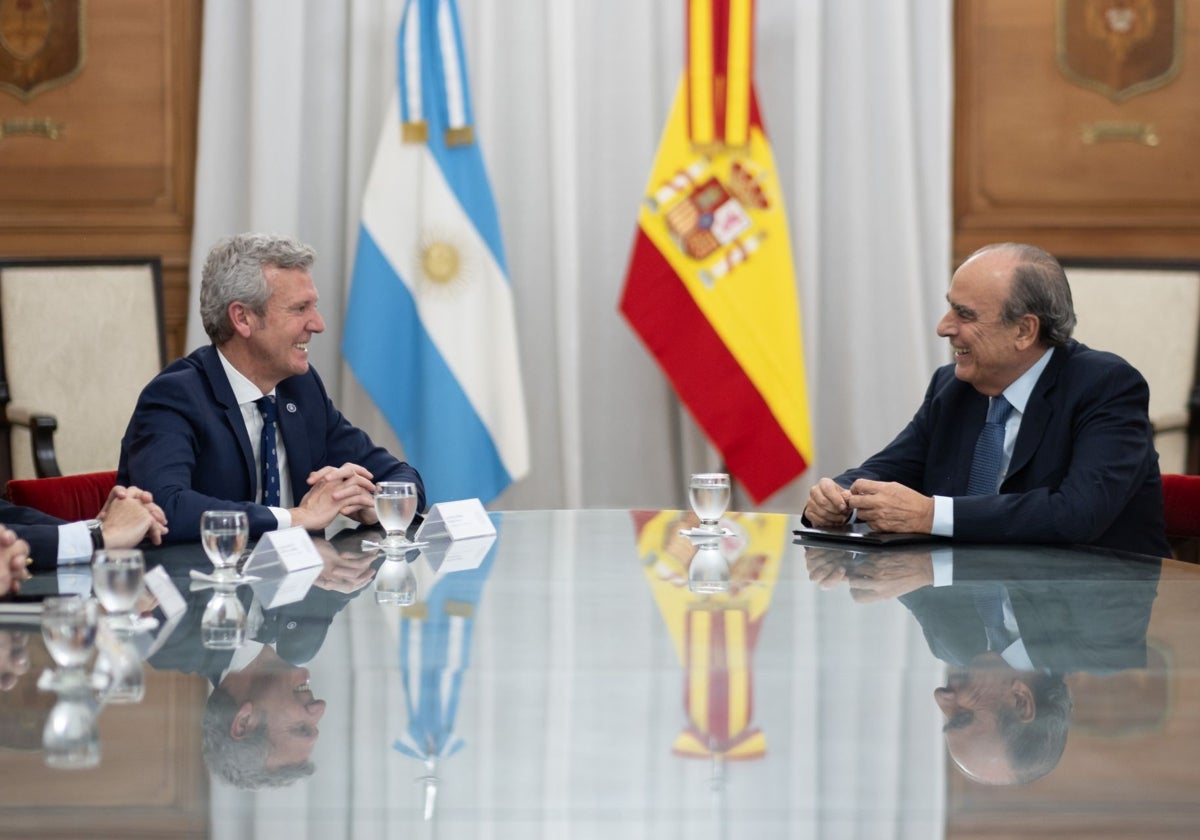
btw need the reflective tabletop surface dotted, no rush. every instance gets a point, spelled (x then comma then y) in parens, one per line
(597, 674)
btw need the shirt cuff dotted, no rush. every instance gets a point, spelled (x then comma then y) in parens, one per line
(74, 543)
(283, 516)
(943, 516)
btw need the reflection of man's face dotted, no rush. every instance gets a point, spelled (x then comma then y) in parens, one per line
(285, 700)
(976, 702)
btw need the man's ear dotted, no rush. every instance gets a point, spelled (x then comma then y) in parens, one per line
(239, 317)
(243, 722)
(1029, 328)
(1023, 701)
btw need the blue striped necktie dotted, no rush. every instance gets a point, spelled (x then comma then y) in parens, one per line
(270, 460)
(984, 478)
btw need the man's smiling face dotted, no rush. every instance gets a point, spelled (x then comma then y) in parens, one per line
(988, 353)
(279, 338)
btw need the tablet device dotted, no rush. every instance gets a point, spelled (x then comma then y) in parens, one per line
(860, 534)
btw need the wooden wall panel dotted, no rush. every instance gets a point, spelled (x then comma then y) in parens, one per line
(1028, 163)
(118, 180)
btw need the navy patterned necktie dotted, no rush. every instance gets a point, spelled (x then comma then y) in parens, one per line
(984, 478)
(270, 460)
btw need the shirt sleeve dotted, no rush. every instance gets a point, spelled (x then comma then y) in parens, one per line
(74, 544)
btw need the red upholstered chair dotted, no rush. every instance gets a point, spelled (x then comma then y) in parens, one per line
(1181, 509)
(69, 497)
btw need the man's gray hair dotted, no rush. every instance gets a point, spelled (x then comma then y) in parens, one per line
(233, 272)
(242, 763)
(1039, 287)
(1034, 748)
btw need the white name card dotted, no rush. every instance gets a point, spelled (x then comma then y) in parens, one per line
(456, 520)
(282, 552)
(170, 601)
(165, 592)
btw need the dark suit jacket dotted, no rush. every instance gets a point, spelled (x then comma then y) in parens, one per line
(187, 444)
(38, 529)
(1084, 468)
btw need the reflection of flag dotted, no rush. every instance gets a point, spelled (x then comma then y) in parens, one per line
(715, 635)
(430, 332)
(435, 647)
(710, 287)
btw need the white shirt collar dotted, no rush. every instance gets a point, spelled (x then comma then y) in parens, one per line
(244, 391)
(1018, 393)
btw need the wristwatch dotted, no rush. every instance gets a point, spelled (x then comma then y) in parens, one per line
(96, 530)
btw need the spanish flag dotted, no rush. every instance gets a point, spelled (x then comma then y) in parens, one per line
(711, 289)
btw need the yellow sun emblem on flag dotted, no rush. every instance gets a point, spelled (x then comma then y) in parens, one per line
(442, 262)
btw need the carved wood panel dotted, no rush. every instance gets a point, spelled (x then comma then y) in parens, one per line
(1077, 126)
(102, 163)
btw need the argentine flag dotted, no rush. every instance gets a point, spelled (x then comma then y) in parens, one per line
(430, 332)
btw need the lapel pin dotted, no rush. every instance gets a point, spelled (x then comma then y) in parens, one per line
(291, 407)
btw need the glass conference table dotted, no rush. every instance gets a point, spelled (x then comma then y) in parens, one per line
(567, 680)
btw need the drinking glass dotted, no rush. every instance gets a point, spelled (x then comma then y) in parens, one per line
(395, 505)
(709, 495)
(223, 625)
(71, 738)
(69, 629)
(709, 570)
(117, 582)
(395, 583)
(224, 534)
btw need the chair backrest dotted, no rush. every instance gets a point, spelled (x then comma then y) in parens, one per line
(69, 497)
(1151, 318)
(79, 340)
(1181, 504)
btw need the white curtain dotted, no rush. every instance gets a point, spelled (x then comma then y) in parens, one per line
(570, 99)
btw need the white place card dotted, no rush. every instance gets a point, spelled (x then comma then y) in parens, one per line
(457, 520)
(165, 592)
(280, 552)
(170, 601)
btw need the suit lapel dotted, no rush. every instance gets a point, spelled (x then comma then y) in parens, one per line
(1038, 412)
(975, 416)
(223, 393)
(295, 440)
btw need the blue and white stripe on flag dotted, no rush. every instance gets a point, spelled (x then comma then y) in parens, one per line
(430, 331)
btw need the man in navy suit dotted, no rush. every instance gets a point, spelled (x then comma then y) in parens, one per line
(195, 438)
(1079, 464)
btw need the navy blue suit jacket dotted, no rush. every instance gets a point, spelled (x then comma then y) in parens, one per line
(38, 529)
(187, 444)
(1084, 469)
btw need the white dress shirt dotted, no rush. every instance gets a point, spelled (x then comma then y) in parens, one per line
(246, 393)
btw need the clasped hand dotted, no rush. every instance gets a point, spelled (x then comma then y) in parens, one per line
(347, 490)
(883, 505)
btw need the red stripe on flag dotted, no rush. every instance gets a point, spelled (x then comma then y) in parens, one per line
(718, 683)
(706, 376)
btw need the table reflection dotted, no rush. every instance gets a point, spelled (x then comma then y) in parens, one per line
(1012, 624)
(565, 678)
